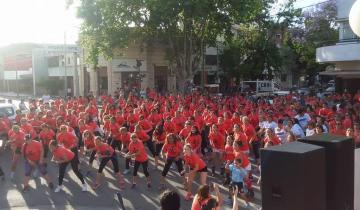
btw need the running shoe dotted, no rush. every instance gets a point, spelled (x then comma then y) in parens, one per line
(127, 171)
(59, 188)
(84, 188)
(189, 196)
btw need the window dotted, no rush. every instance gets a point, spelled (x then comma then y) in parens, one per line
(68, 60)
(211, 60)
(346, 32)
(53, 61)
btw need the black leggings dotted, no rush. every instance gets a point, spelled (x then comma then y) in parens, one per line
(74, 165)
(158, 148)
(144, 166)
(105, 160)
(256, 148)
(1, 171)
(150, 145)
(169, 161)
(116, 144)
(92, 157)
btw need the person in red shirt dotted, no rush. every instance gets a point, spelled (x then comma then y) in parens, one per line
(158, 137)
(46, 135)
(195, 165)
(270, 138)
(68, 140)
(27, 128)
(16, 140)
(137, 151)
(89, 145)
(107, 153)
(145, 138)
(185, 131)
(178, 121)
(339, 129)
(34, 158)
(229, 156)
(240, 136)
(194, 139)
(217, 143)
(63, 157)
(124, 137)
(171, 152)
(169, 126)
(251, 137)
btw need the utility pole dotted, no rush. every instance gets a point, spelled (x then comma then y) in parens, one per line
(65, 70)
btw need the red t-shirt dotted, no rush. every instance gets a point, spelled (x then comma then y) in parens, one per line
(160, 138)
(138, 146)
(67, 139)
(249, 131)
(105, 150)
(244, 142)
(193, 160)
(32, 150)
(47, 136)
(60, 153)
(142, 135)
(274, 140)
(194, 141)
(89, 142)
(19, 138)
(124, 137)
(172, 150)
(229, 153)
(217, 140)
(169, 127)
(244, 158)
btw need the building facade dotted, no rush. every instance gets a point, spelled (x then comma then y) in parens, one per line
(345, 55)
(35, 69)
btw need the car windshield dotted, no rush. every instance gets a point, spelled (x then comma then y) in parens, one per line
(7, 111)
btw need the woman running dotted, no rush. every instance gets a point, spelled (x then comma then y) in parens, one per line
(107, 153)
(64, 157)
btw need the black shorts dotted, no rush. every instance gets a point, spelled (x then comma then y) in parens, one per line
(203, 170)
(240, 186)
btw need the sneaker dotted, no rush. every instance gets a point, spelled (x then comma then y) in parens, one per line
(59, 188)
(51, 185)
(127, 171)
(84, 188)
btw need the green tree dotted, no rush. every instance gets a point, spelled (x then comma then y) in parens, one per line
(184, 26)
(318, 29)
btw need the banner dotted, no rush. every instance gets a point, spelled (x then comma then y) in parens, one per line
(18, 62)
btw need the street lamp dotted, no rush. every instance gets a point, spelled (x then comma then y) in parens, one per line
(354, 18)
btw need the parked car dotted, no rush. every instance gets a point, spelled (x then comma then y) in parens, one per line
(8, 110)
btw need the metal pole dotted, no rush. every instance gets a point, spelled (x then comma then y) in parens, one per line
(65, 70)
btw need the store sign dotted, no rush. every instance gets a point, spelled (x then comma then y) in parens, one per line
(128, 65)
(21, 62)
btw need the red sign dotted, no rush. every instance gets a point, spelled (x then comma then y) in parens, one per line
(18, 62)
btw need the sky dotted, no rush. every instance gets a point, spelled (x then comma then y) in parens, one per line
(46, 21)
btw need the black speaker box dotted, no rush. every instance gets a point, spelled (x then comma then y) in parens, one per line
(293, 177)
(339, 155)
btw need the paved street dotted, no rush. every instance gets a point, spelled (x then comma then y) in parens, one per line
(41, 197)
(140, 198)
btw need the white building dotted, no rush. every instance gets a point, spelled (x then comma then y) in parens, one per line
(345, 55)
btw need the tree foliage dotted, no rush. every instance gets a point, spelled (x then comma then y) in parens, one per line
(184, 26)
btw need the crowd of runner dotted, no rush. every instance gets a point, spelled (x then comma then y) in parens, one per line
(201, 134)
